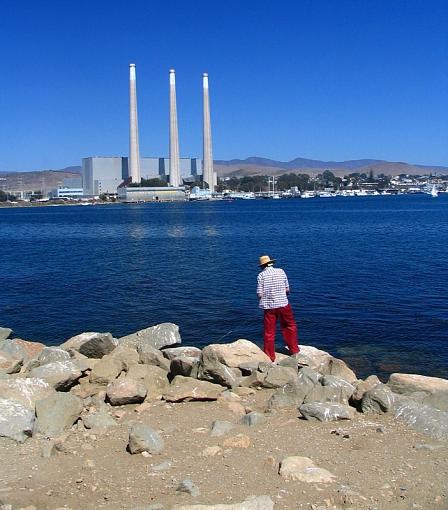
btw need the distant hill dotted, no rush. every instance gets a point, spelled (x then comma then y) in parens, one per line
(256, 165)
(36, 180)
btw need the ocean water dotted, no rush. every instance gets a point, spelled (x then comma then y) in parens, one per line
(368, 275)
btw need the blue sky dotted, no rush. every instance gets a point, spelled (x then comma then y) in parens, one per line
(319, 79)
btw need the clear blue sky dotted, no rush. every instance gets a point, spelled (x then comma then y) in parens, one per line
(320, 79)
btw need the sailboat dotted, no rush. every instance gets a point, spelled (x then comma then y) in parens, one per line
(434, 192)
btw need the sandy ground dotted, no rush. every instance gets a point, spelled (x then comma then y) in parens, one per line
(379, 463)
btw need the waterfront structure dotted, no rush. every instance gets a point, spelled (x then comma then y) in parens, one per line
(209, 174)
(105, 174)
(134, 151)
(64, 192)
(152, 194)
(174, 133)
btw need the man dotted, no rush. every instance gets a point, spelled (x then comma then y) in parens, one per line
(272, 292)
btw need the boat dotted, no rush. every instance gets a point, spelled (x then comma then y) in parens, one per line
(434, 192)
(308, 194)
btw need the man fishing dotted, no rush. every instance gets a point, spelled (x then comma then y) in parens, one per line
(272, 292)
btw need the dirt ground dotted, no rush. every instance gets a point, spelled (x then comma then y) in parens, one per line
(379, 463)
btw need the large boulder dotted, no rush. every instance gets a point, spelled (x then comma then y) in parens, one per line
(325, 363)
(126, 355)
(186, 388)
(406, 384)
(277, 376)
(158, 336)
(5, 333)
(106, 370)
(187, 366)
(25, 391)
(143, 438)
(153, 378)
(149, 355)
(252, 503)
(237, 353)
(21, 349)
(52, 354)
(126, 391)
(302, 469)
(331, 389)
(328, 411)
(10, 364)
(62, 375)
(57, 413)
(422, 418)
(212, 369)
(176, 352)
(362, 386)
(91, 344)
(16, 420)
(379, 399)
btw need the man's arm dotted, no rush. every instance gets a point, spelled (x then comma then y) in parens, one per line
(259, 286)
(286, 283)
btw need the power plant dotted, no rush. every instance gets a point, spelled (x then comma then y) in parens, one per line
(111, 175)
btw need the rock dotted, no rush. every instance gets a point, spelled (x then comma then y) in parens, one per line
(158, 336)
(326, 411)
(236, 408)
(92, 345)
(278, 376)
(184, 365)
(25, 391)
(254, 380)
(144, 439)
(126, 391)
(284, 397)
(253, 419)
(31, 349)
(422, 418)
(189, 487)
(106, 370)
(99, 422)
(16, 420)
(302, 469)
(52, 354)
(379, 399)
(186, 388)
(211, 451)
(57, 413)
(253, 503)
(10, 364)
(5, 333)
(405, 384)
(340, 369)
(151, 356)
(325, 363)
(154, 379)
(362, 386)
(322, 393)
(244, 392)
(163, 466)
(238, 441)
(126, 355)
(438, 400)
(179, 352)
(337, 382)
(211, 369)
(220, 428)
(62, 375)
(237, 353)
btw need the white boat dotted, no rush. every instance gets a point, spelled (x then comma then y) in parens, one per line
(308, 194)
(434, 192)
(325, 194)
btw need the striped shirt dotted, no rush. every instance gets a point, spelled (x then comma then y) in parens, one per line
(272, 285)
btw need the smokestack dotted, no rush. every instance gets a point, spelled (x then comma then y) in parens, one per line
(134, 152)
(207, 170)
(174, 133)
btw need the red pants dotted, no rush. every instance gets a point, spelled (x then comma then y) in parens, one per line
(288, 326)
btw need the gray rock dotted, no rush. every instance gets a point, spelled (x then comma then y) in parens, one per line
(211, 369)
(184, 365)
(379, 399)
(321, 393)
(220, 428)
(287, 396)
(9, 364)
(99, 422)
(248, 367)
(144, 439)
(252, 503)
(16, 420)
(126, 391)
(158, 336)
(254, 380)
(25, 391)
(91, 344)
(177, 352)
(126, 355)
(57, 413)
(189, 487)
(278, 376)
(362, 386)
(289, 362)
(62, 375)
(151, 356)
(406, 384)
(438, 400)
(106, 370)
(154, 379)
(326, 411)
(52, 354)
(340, 369)
(13, 349)
(337, 382)
(186, 388)
(253, 419)
(5, 333)
(422, 418)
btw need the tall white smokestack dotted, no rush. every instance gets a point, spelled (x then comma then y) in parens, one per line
(174, 133)
(208, 173)
(134, 152)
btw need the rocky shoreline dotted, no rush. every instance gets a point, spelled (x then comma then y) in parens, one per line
(115, 390)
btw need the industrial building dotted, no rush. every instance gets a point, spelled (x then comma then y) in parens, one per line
(153, 194)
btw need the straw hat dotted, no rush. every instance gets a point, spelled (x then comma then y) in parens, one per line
(266, 259)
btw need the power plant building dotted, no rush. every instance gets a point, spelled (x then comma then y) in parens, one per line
(104, 174)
